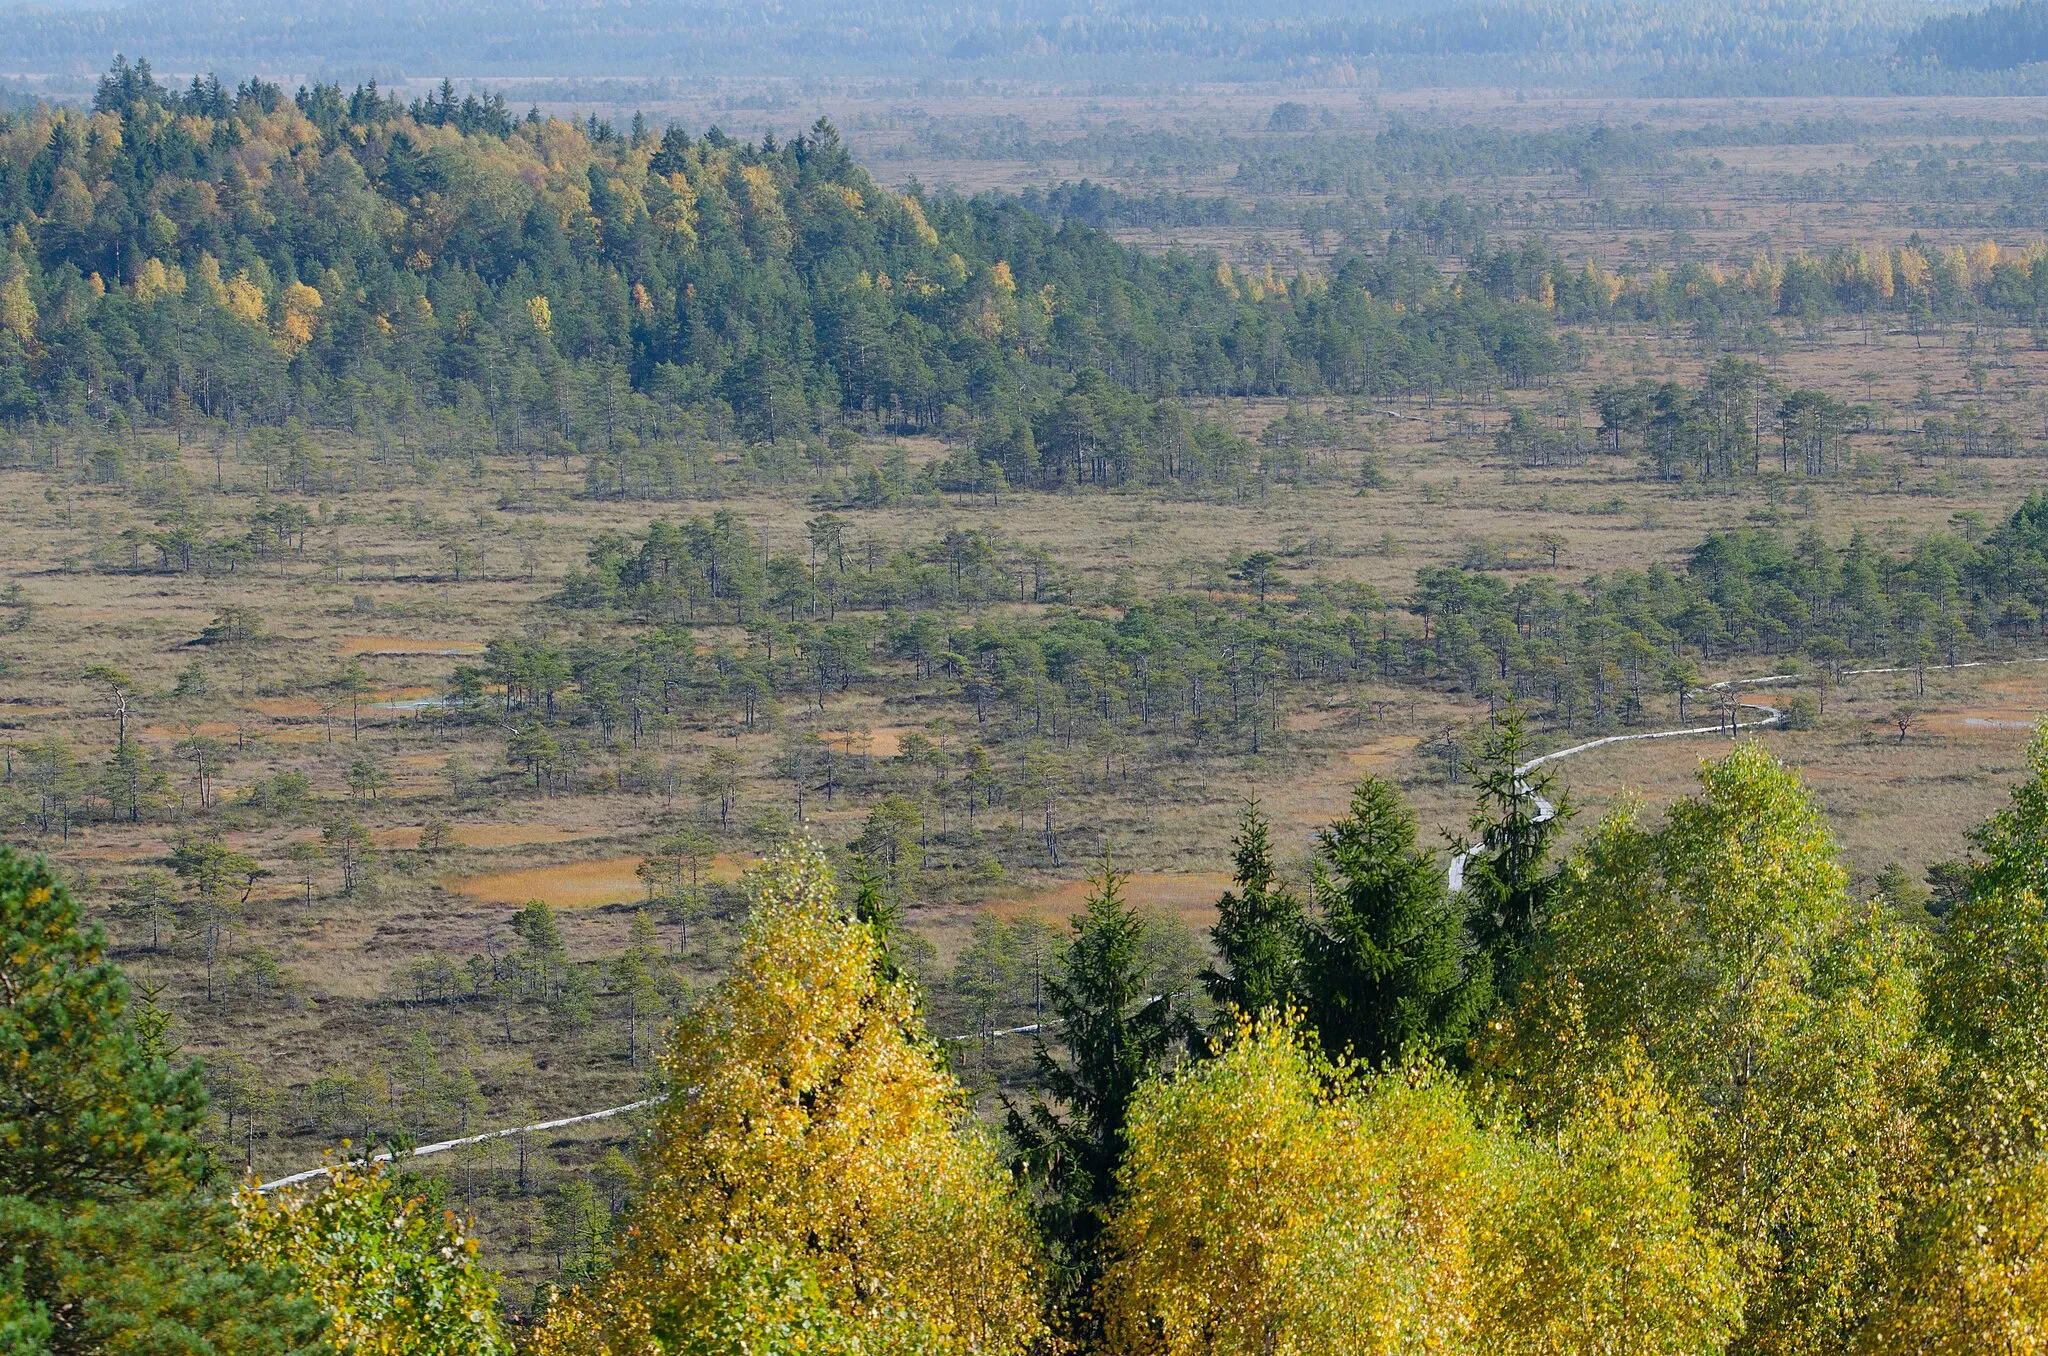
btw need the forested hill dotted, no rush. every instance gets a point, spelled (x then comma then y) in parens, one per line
(342, 259)
(1997, 38)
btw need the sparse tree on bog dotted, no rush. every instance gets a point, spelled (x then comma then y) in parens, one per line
(348, 845)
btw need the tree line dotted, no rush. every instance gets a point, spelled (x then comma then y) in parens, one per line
(177, 256)
(712, 627)
(1214, 658)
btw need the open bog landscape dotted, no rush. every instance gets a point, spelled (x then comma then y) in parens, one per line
(922, 606)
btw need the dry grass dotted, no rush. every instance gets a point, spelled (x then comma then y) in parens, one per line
(385, 647)
(1188, 895)
(884, 741)
(577, 885)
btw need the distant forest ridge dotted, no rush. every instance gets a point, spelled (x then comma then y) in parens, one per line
(1137, 41)
(1999, 38)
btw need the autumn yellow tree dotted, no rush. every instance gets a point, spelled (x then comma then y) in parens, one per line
(1781, 1019)
(1977, 1275)
(1592, 1246)
(811, 1147)
(1276, 1206)
(392, 1276)
(1976, 1280)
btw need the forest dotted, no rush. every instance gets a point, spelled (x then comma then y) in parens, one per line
(345, 260)
(907, 714)
(1995, 38)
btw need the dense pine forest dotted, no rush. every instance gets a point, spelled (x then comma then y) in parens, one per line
(1995, 38)
(351, 262)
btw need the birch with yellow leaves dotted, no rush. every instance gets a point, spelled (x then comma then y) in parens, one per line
(812, 1170)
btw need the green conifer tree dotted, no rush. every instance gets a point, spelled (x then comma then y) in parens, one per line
(1258, 931)
(1384, 965)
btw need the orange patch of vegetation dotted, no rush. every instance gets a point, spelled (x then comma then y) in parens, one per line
(577, 885)
(2021, 680)
(406, 645)
(884, 741)
(1383, 752)
(1190, 894)
(572, 885)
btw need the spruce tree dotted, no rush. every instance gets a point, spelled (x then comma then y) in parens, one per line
(1385, 970)
(1257, 933)
(1508, 877)
(1117, 1033)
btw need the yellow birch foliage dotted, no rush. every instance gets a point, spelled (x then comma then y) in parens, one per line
(245, 300)
(17, 308)
(155, 279)
(918, 224)
(1915, 273)
(677, 212)
(1977, 1277)
(1988, 988)
(767, 223)
(393, 1278)
(811, 1141)
(1782, 1021)
(1978, 1281)
(1594, 1249)
(1276, 1207)
(295, 321)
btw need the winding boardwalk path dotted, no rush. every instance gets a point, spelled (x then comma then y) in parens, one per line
(1455, 878)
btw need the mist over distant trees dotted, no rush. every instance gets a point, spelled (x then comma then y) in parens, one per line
(1662, 44)
(1998, 38)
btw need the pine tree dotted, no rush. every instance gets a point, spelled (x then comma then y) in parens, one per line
(1258, 932)
(1385, 973)
(114, 1224)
